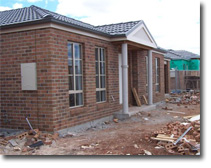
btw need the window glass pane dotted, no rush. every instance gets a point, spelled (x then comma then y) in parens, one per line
(146, 58)
(71, 83)
(97, 81)
(102, 80)
(102, 68)
(78, 67)
(157, 88)
(157, 79)
(71, 100)
(156, 62)
(98, 96)
(77, 48)
(78, 83)
(102, 57)
(70, 50)
(96, 54)
(79, 99)
(97, 68)
(103, 95)
(70, 69)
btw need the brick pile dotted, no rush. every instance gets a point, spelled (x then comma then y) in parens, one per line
(27, 141)
(184, 99)
(188, 145)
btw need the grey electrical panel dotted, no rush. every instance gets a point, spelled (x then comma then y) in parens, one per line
(28, 76)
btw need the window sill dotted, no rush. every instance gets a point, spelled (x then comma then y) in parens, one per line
(101, 102)
(76, 107)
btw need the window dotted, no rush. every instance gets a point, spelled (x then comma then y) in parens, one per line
(157, 74)
(75, 74)
(100, 74)
(146, 62)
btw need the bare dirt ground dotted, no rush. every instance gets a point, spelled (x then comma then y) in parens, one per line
(123, 138)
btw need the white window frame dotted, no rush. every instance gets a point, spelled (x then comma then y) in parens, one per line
(74, 92)
(101, 89)
(157, 74)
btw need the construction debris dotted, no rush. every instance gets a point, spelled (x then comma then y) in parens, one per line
(189, 98)
(167, 108)
(13, 142)
(180, 138)
(115, 120)
(147, 152)
(177, 112)
(27, 141)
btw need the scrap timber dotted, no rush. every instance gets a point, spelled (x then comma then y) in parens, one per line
(179, 138)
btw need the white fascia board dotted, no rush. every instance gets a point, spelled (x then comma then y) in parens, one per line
(166, 59)
(142, 36)
(158, 52)
(118, 39)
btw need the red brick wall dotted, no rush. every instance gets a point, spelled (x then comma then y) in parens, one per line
(63, 115)
(48, 107)
(158, 96)
(17, 48)
(168, 76)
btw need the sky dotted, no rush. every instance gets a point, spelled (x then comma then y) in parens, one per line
(174, 24)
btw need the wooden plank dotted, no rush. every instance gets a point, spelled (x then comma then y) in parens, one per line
(166, 137)
(146, 102)
(162, 139)
(138, 102)
(178, 112)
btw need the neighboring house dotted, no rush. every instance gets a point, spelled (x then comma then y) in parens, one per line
(62, 72)
(187, 65)
(183, 60)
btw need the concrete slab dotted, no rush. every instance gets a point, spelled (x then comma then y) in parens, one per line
(121, 116)
(4, 132)
(144, 108)
(85, 126)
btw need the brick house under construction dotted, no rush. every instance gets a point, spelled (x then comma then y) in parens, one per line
(62, 72)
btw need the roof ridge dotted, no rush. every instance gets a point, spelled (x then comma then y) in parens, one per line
(40, 11)
(118, 23)
(187, 51)
(172, 51)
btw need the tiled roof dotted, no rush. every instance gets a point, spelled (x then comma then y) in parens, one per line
(174, 56)
(21, 15)
(187, 54)
(181, 54)
(34, 13)
(118, 28)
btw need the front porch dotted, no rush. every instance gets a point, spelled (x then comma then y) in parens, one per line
(135, 71)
